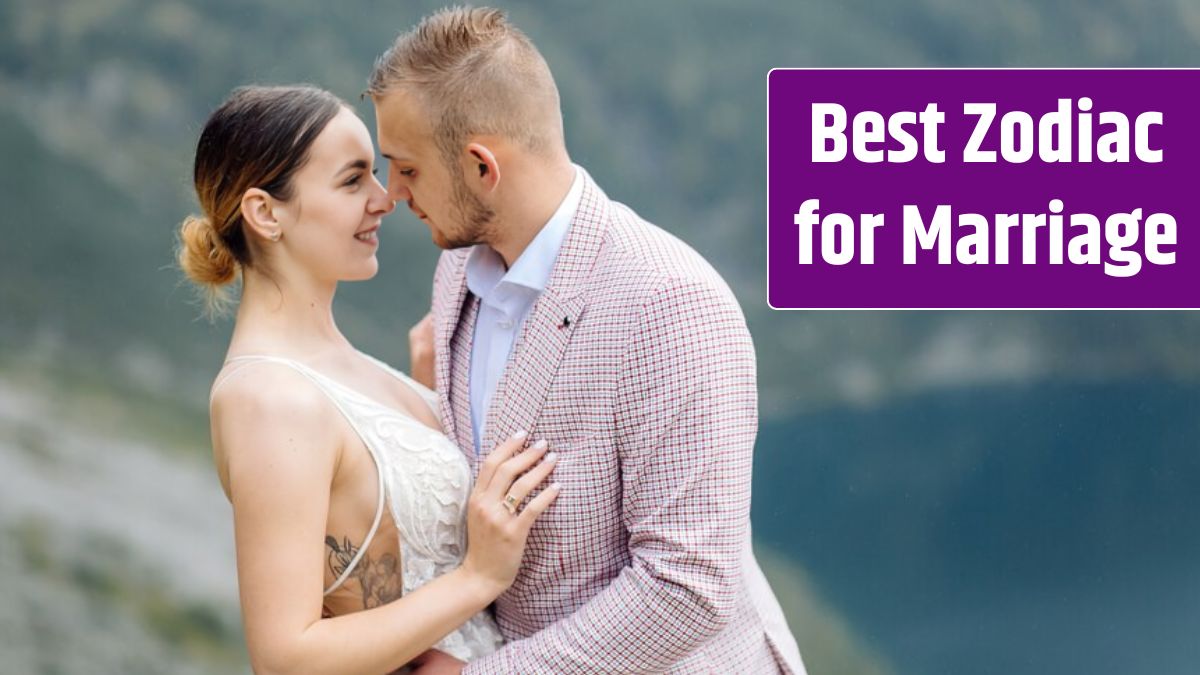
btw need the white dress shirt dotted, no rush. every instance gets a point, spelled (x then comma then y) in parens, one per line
(505, 298)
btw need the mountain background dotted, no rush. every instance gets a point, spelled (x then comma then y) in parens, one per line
(935, 492)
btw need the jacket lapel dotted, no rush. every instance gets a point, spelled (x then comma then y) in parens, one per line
(546, 332)
(460, 377)
(530, 371)
(447, 319)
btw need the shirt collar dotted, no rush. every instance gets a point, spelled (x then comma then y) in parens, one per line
(485, 267)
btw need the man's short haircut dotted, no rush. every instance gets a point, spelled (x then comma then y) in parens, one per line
(475, 74)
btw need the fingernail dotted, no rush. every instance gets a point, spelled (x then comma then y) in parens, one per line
(551, 456)
(555, 486)
(539, 445)
(520, 435)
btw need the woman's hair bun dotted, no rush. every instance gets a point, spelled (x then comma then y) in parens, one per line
(202, 255)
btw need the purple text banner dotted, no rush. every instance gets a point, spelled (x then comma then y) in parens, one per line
(954, 189)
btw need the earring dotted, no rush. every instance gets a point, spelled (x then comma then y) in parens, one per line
(275, 235)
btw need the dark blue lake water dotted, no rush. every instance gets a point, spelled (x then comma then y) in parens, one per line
(1048, 528)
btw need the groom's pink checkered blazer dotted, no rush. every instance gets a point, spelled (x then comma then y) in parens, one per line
(636, 365)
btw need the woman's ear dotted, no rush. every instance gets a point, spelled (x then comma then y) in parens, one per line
(484, 167)
(258, 213)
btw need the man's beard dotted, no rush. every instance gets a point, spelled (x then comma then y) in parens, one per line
(474, 217)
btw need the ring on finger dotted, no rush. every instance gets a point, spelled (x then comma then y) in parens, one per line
(510, 503)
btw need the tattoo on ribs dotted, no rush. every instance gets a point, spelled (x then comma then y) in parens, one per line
(379, 580)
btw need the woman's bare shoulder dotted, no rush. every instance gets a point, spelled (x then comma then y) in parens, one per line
(264, 414)
(266, 389)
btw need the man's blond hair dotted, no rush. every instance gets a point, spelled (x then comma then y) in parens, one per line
(475, 74)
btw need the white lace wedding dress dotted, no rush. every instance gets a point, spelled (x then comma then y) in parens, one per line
(424, 479)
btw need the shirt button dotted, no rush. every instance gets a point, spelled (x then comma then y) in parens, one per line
(505, 324)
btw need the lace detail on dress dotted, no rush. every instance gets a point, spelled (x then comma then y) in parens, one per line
(427, 482)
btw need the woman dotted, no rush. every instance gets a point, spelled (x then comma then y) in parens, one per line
(313, 440)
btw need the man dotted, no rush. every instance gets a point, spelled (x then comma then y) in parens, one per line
(563, 313)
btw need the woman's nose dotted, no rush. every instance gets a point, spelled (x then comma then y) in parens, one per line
(381, 202)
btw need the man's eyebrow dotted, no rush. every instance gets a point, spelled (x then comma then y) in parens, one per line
(393, 158)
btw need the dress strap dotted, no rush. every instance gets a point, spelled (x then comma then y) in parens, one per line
(228, 375)
(322, 383)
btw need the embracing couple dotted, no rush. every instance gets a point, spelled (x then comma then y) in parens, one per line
(573, 496)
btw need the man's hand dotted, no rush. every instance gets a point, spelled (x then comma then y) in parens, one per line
(420, 351)
(434, 662)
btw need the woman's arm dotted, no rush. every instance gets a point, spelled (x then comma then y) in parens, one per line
(278, 441)
(422, 360)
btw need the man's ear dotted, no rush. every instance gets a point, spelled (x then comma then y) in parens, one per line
(484, 167)
(258, 212)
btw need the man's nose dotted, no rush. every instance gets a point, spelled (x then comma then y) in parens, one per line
(396, 188)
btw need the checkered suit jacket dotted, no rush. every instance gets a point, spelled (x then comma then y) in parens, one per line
(636, 365)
